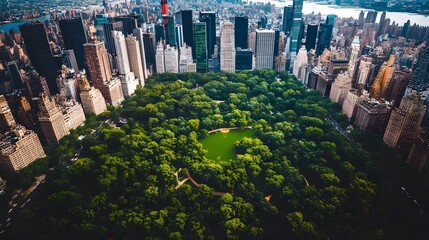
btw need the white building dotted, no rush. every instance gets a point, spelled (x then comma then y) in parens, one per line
(67, 83)
(227, 51)
(300, 64)
(92, 100)
(73, 114)
(186, 63)
(264, 51)
(159, 58)
(340, 87)
(353, 98)
(171, 59)
(128, 80)
(138, 32)
(134, 56)
(354, 55)
(179, 35)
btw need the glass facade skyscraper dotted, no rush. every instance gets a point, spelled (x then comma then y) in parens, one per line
(210, 19)
(287, 18)
(241, 27)
(74, 37)
(296, 29)
(200, 40)
(324, 39)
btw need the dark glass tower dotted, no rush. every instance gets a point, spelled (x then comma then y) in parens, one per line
(128, 24)
(39, 52)
(108, 37)
(149, 49)
(200, 40)
(159, 32)
(241, 26)
(420, 80)
(210, 19)
(405, 29)
(324, 38)
(330, 19)
(15, 75)
(287, 18)
(243, 59)
(296, 29)
(311, 36)
(171, 32)
(184, 18)
(74, 36)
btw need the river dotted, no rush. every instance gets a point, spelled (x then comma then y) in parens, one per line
(345, 12)
(15, 25)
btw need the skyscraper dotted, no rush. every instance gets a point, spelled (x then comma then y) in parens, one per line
(404, 122)
(160, 58)
(311, 36)
(296, 29)
(379, 87)
(371, 116)
(340, 88)
(128, 80)
(51, 119)
(420, 80)
(39, 52)
(7, 121)
(92, 100)
(200, 40)
(97, 61)
(185, 18)
(134, 56)
(178, 29)
(264, 52)
(210, 19)
(186, 63)
(15, 75)
(128, 24)
(354, 55)
(300, 65)
(149, 50)
(74, 36)
(330, 19)
(241, 29)
(243, 59)
(138, 32)
(171, 40)
(171, 59)
(227, 51)
(287, 18)
(371, 17)
(108, 37)
(324, 38)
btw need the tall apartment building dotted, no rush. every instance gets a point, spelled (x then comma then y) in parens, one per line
(100, 73)
(300, 64)
(171, 59)
(404, 122)
(381, 83)
(91, 98)
(138, 32)
(371, 116)
(354, 56)
(7, 121)
(186, 63)
(67, 83)
(127, 77)
(264, 51)
(73, 113)
(134, 56)
(352, 100)
(340, 88)
(159, 58)
(51, 119)
(18, 148)
(227, 51)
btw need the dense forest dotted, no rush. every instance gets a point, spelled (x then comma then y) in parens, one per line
(299, 178)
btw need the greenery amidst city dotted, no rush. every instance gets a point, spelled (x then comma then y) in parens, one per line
(295, 177)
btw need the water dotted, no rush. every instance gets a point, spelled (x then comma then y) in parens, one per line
(15, 25)
(345, 12)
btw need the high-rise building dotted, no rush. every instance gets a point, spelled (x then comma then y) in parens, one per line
(340, 88)
(371, 17)
(200, 41)
(19, 148)
(69, 59)
(227, 51)
(159, 32)
(171, 59)
(74, 36)
(361, 20)
(381, 26)
(311, 36)
(352, 100)
(300, 65)
(420, 80)
(99, 70)
(39, 52)
(92, 100)
(365, 67)
(398, 85)
(35, 84)
(324, 38)
(330, 19)
(7, 121)
(14, 75)
(381, 83)
(108, 28)
(73, 113)
(287, 18)
(264, 52)
(101, 19)
(67, 83)
(354, 56)
(160, 58)
(210, 19)
(128, 79)
(186, 63)
(178, 30)
(51, 119)
(243, 59)
(418, 158)
(295, 29)
(185, 18)
(405, 28)
(138, 32)
(149, 50)
(371, 116)
(134, 56)
(252, 41)
(404, 122)
(241, 29)
(128, 24)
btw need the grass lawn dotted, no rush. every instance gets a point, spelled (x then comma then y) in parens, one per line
(220, 146)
